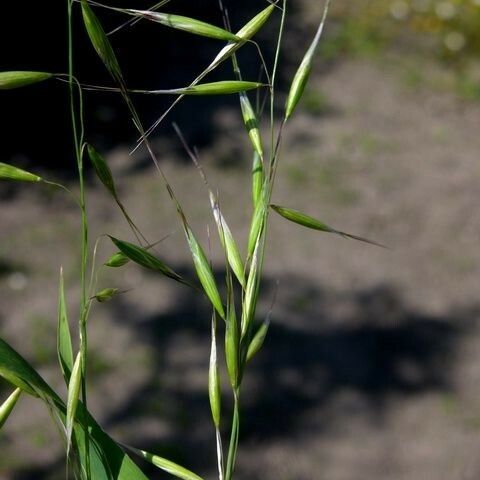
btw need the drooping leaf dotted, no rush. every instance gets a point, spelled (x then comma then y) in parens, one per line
(107, 459)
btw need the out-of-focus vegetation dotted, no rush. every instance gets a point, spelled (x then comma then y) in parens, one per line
(446, 32)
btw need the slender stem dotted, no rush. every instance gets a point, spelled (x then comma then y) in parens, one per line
(232, 449)
(78, 133)
(273, 78)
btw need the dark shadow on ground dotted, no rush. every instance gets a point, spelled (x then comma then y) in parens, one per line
(321, 343)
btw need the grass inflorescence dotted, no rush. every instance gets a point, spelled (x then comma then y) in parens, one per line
(91, 453)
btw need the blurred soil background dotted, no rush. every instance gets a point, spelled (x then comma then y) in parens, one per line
(372, 365)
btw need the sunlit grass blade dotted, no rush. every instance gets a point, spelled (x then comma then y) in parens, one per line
(17, 79)
(166, 465)
(306, 221)
(258, 339)
(64, 340)
(187, 24)
(214, 393)
(145, 259)
(204, 271)
(251, 123)
(303, 73)
(9, 172)
(100, 41)
(8, 405)
(74, 386)
(228, 242)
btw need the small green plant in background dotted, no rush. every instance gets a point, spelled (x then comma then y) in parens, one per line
(91, 453)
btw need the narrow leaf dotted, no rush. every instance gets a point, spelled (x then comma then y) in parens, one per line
(9, 172)
(306, 221)
(303, 73)
(186, 24)
(10, 80)
(213, 378)
(166, 465)
(64, 340)
(73, 394)
(145, 259)
(102, 170)
(8, 405)
(107, 460)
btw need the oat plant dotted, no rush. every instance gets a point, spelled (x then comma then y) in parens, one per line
(90, 452)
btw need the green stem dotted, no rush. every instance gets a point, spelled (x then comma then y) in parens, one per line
(232, 449)
(78, 134)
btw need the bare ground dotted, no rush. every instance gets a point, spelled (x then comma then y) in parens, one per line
(372, 366)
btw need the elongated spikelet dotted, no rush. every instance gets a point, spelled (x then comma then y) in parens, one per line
(204, 272)
(303, 73)
(100, 41)
(8, 405)
(258, 339)
(17, 79)
(224, 87)
(258, 178)
(186, 24)
(251, 123)
(245, 33)
(102, 170)
(64, 339)
(9, 172)
(166, 465)
(306, 221)
(140, 256)
(228, 242)
(214, 393)
(74, 386)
